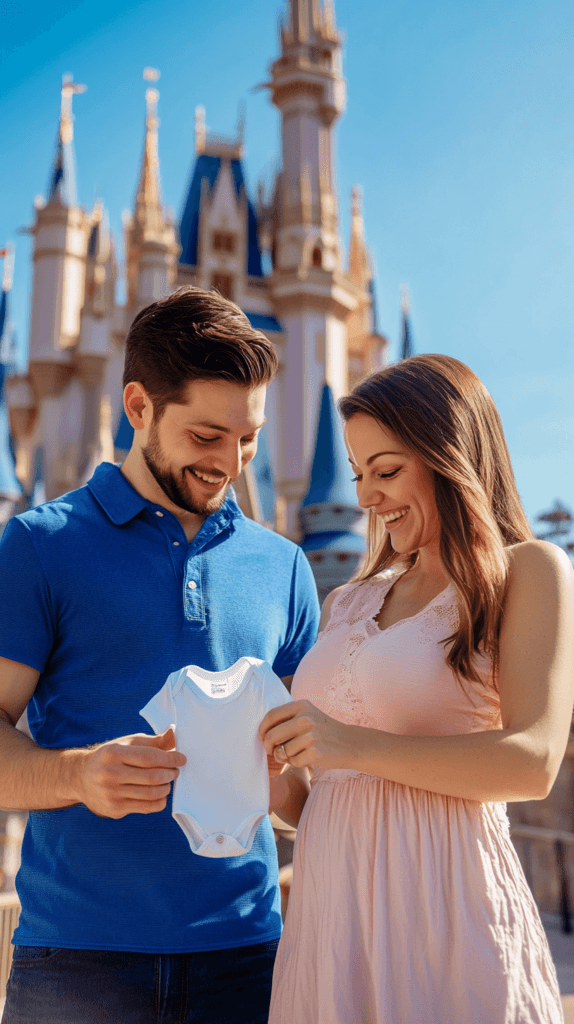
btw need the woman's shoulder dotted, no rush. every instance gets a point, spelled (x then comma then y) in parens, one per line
(534, 558)
(540, 574)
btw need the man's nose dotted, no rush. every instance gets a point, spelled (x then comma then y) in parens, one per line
(232, 463)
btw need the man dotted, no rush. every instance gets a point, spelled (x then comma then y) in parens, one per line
(104, 593)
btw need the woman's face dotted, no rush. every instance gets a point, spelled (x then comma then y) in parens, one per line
(394, 483)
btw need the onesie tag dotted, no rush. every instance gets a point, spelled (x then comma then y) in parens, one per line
(218, 688)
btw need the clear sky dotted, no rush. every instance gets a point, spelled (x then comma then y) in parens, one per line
(459, 127)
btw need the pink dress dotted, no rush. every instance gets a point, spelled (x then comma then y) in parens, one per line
(407, 907)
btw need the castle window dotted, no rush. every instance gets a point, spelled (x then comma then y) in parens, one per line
(223, 283)
(338, 510)
(317, 257)
(316, 558)
(342, 556)
(223, 241)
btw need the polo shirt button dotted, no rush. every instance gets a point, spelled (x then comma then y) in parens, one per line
(192, 585)
(176, 543)
(160, 514)
(219, 839)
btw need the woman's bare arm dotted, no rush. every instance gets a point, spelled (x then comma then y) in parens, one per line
(536, 681)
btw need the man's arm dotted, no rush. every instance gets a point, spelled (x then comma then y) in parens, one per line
(129, 775)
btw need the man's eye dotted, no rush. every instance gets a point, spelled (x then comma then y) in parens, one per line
(248, 440)
(355, 478)
(203, 440)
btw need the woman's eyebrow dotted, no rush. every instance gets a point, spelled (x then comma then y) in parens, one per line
(373, 457)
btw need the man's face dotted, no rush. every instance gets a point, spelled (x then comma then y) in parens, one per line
(198, 449)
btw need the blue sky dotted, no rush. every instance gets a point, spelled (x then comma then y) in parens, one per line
(459, 128)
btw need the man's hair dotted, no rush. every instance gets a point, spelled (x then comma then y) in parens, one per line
(194, 335)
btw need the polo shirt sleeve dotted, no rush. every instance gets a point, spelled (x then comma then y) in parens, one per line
(27, 626)
(304, 613)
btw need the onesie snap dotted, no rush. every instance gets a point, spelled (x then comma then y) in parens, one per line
(221, 795)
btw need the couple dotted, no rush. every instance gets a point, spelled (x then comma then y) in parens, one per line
(439, 688)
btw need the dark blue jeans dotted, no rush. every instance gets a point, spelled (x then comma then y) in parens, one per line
(82, 986)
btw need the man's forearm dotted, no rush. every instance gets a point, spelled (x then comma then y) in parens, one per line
(288, 793)
(32, 778)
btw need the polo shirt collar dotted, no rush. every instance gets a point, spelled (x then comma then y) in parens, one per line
(114, 493)
(121, 502)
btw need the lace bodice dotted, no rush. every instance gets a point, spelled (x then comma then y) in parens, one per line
(394, 679)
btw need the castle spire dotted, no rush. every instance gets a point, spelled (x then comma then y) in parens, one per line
(62, 187)
(148, 213)
(359, 267)
(407, 348)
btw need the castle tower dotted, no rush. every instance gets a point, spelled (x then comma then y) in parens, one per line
(150, 241)
(331, 521)
(60, 233)
(311, 294)
(94, 347)
(367, 348)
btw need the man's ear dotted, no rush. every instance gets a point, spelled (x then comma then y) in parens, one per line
(138, 405)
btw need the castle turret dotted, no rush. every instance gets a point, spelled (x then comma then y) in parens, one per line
(95, 345)
(312, 294)
(150, 240)
(367, 348)
(331, 521)
(60, 238)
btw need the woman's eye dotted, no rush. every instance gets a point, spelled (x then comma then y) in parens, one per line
(387, 476)
(355, 478)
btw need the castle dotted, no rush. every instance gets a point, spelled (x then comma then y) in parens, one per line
(279, 258)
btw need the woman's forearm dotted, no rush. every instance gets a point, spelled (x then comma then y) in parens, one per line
(288, 793)
(483, 766)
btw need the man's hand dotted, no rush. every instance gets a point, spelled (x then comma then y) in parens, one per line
(130, 775)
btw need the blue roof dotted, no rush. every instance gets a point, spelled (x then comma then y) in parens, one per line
(62, 185)
(262, 322)
(264, 478)
(3, 311)
(208, 167)
(331, 477)
(124, 433)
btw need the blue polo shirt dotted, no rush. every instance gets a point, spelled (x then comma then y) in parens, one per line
(101, 592)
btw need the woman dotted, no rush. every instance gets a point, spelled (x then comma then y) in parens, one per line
(440, 687)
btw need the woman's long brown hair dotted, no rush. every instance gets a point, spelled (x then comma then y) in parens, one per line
(444, 415)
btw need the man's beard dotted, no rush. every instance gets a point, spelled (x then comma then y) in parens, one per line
(177, 489)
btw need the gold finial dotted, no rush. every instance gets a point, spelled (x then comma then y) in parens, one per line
(69, 89)
(151, 74)
(151, 96)
(405, 300)
(200, 131)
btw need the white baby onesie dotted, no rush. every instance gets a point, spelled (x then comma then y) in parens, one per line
(222, 794)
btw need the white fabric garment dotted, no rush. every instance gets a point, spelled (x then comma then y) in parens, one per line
(222, 794)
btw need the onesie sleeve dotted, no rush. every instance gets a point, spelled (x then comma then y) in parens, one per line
(160, 710)
(275, 693)
(304, 615)
(27, 629)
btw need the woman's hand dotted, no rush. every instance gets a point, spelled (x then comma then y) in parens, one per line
(310, 738)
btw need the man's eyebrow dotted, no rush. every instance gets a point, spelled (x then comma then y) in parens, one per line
(222, 430)
(373, 457)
